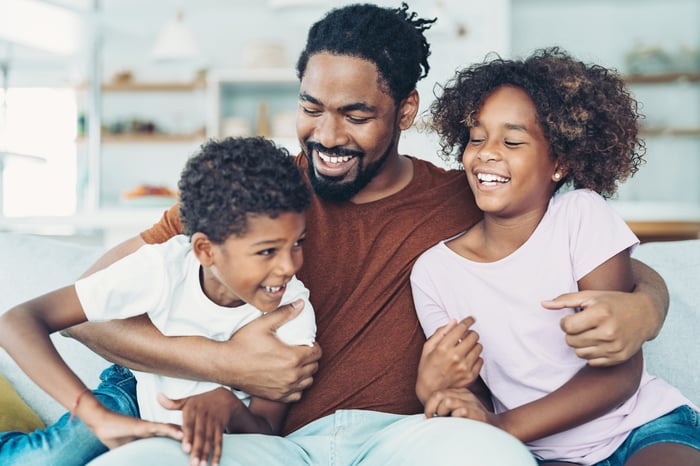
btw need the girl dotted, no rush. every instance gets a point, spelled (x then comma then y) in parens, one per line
(524, 129)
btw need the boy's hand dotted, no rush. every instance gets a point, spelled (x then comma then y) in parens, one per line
(273, 369)
(204, 421)
(116, 429)
(451, 358)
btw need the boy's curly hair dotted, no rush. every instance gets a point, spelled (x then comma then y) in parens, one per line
(588, 116)
(229, 179)
(392, 39)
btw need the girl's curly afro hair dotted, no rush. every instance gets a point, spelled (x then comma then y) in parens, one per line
(229, 179)
(586, 113)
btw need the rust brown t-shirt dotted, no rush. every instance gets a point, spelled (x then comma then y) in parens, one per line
(357, 263)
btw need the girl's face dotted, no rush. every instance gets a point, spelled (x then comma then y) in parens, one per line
(255, 267)
(507, 159)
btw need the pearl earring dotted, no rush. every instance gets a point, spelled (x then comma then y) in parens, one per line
(557, 176)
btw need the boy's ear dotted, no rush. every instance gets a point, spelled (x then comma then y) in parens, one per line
(203, 249)
(408, 110)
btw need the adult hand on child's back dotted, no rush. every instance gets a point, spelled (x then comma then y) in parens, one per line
(451, 358)
(264, 365)
(607, 330)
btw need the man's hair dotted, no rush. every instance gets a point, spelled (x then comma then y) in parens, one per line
(228, 180)
(391, 39)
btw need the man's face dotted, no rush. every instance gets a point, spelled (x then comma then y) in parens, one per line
(346, 124)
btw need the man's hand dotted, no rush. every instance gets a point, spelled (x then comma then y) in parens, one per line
(609, 329)
(264, 365)
(451, 358)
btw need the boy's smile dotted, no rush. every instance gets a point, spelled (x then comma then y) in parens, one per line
(255, 267)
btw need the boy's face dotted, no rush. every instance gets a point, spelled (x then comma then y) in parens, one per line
(346, 123)
(254, 268)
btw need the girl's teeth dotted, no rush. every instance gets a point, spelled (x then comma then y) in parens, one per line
(334, 159)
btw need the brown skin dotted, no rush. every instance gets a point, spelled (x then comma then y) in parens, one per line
(507, 140)
(256, 361)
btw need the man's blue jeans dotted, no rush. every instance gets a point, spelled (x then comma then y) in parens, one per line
(70, 442)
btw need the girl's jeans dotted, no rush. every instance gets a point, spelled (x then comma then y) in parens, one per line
(70, 442)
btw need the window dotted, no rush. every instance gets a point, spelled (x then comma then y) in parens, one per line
(39, 122)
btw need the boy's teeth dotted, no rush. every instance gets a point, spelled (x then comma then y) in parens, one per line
(272, 289)
(334, 159)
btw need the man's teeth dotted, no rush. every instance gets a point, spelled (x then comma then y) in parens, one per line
(272, 289)
(490, 178)
(334, 158)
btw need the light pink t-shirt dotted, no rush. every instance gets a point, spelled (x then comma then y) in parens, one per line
(525, 354)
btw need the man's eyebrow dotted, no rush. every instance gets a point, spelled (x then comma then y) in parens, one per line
(359, 106)
(307, 98)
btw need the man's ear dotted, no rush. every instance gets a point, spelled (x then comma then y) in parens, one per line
(203, 249)
(408, 109)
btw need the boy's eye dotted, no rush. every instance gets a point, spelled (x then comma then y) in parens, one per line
(299, 242)
(267, 252)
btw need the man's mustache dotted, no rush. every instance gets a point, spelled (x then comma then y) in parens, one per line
(315, 146)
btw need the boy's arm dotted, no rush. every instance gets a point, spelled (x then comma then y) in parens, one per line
(613, 325)
(253, 360)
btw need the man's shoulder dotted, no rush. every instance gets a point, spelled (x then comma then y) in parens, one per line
(428, 173)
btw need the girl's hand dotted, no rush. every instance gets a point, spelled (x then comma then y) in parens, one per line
(459, 402)
(116, 429)
(205, 418)
(451, 358)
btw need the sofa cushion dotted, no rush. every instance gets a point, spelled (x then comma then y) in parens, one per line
(15, 414)
(673, 355)
(33, 265)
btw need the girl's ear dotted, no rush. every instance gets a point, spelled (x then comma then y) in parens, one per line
(203, 249)
(559, 173)
(408, 110)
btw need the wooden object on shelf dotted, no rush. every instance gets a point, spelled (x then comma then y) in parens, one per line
(651, 230)
(661, 78)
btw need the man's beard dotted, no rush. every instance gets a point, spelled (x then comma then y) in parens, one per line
(333, 188)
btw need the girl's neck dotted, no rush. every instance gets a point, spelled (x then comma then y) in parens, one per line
(494, 237)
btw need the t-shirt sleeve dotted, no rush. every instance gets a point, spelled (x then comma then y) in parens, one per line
(302, 329)
(597, 232)
(168, 226)
(132, 286)
(431, 312)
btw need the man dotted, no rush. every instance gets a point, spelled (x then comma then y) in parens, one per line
(373, 212)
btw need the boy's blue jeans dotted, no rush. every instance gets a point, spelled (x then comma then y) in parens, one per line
(70, 442)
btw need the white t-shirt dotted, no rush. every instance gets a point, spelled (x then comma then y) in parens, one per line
(162, 280)
(524, 351)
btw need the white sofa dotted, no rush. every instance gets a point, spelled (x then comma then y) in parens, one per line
(32, 265)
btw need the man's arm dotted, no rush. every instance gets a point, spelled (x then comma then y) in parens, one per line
(254, 359)
(613, 325)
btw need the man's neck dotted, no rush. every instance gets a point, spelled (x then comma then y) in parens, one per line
(395, 175)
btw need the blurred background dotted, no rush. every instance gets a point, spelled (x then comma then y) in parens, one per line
(102, 101)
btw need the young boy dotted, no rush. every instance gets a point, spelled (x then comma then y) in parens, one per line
(242, 207)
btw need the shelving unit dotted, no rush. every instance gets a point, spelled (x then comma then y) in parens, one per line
(148, 131)
(672, 78)
(241, 95)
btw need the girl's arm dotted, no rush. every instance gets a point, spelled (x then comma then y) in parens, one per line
(25, 335)
(592, 392)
